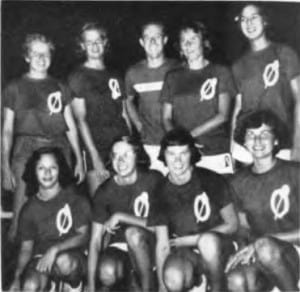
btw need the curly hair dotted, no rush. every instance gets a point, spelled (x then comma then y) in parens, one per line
(65, 176)
(179, 137)
(255, 120)
(30, 38)
(142, 158)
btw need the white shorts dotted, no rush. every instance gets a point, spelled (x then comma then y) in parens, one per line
(120, 245)
(240, 153)
(153, 152)
(220, 163)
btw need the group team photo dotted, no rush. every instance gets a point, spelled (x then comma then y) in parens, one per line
(150, 146)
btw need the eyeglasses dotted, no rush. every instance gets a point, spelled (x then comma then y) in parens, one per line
(36, 55)
(265, 135)
(251, 19)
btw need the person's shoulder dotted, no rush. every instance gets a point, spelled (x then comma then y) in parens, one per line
(152, 174)
(172, 63)
(78, 72)
(206, 174)
(294, 166)
(282, 49)
(240, 175)
(107, 186)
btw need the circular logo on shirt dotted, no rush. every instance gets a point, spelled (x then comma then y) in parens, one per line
(64, 220)
(271, 74)
(202, 208)
(141, 205)
(114, 87)
(208, 89)
(280, 202)
(54, 102)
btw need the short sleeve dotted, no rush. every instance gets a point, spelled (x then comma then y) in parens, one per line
(158, 209)
(83, 212)
(66, 93)
(129, 83)
(290, 61)
(226, 84)
(166, 92)
(10, 95)
(235, 193)
(100, 212)
(27, 227)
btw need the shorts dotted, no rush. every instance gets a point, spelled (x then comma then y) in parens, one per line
(153, 152)
(220, 163)
(75, 278)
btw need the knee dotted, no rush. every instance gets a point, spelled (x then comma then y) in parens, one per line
(65, 264)
(110, 272)
(267, 251)
(236, 282)
(209, 245)
(31, 285)
(173, 278)
(134, 236)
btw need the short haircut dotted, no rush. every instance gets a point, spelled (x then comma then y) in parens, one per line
(30, 38)
(65, 176)
(256, 119)
(198, 27)
(142, 158)
(156, 22)
(179, 137)
(93, 26)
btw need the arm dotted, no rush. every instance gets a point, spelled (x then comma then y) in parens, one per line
(220, 118)
(23, 259)
(73, 139)
(79, 239)
(167, 112)
(79, 109)
(9, 182)
(125, 218)
(97, 234)
(133, 113)
(236, 109)
(230, 219)
(161, 252)
(295, 86)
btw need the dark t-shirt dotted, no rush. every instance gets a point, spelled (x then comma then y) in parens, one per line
(38, 106)
(193, 207)
(50, 222)
(147, 83)
(270, 200)
(133, 199)
(263, 78)
(103, 92)
(194, 95)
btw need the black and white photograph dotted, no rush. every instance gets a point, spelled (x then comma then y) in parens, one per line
(150, 146)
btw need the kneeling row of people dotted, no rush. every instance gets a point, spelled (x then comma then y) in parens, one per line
(185, 224)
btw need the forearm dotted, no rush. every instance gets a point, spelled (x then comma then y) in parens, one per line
(162, 252)
(133, 114)
(132, 220)
(88, 142)
(292, 236)
(209, 125)
(296, 136)
(7, 138)
(76, 241)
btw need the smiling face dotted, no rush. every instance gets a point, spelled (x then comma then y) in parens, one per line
(94, 42)
(252, 23)
(153, 41)
(47, 172)
(178, 160)
(260, 141)
(38, 57)
(123, 159)
(191, 44)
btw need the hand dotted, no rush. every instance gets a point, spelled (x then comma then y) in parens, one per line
(15, 286)
(79, 172)
(245, 256)
(177, 242)
(8, 179)
(112, 224)
(47, 260)
(101, 172)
